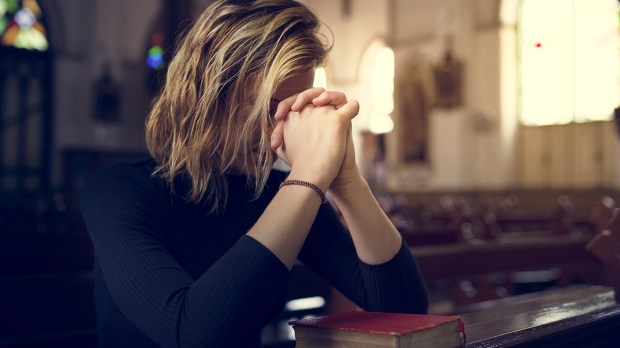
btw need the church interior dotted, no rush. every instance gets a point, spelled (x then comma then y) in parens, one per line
(489, 132)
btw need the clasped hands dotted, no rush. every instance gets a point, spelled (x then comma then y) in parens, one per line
(312, 134)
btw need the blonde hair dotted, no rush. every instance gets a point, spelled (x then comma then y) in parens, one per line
(218, 91)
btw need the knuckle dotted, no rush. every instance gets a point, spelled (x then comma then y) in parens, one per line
(314, 92)
(288, 101)
(308, 92)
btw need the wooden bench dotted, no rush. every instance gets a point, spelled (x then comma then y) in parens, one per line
(578, 316)
(470, 222)
(476, 218)
(480, 265)
(460, 260)
(606, 244)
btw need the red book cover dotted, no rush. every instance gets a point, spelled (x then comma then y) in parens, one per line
(391, 324)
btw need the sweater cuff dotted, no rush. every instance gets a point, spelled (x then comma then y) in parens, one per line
(396, 285)
(402, 257)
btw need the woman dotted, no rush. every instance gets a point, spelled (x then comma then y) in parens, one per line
(194, 245)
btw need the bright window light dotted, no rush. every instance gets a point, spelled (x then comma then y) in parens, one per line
(302, 304)
(381, 97)
(569, 60)
(320, 78)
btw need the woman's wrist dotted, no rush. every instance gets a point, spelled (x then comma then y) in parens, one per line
(307, 184)
(344, 190)
(309, 176)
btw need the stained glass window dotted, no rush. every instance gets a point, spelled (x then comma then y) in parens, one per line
(155, 55)
(569, 66)
(21, 25)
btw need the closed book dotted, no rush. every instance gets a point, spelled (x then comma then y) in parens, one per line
(372, 329)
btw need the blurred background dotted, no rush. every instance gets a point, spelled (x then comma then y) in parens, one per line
(481, 121)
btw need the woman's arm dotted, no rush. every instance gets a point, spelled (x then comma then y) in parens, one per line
(388, 278)
(394, 286)
(376, 239)
(126, 218)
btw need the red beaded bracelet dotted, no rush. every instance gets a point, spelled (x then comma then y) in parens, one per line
(306, 184)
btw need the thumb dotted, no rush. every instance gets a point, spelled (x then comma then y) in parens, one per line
(349, 109)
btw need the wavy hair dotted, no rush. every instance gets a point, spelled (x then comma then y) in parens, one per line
(218, 91)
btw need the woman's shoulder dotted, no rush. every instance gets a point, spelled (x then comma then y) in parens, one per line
(135, 171)
(122, 180)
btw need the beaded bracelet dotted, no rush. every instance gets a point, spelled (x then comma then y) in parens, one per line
(306, 184)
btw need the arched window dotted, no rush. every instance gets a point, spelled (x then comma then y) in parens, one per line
(25, 99)
(377, 87)
(569, 60)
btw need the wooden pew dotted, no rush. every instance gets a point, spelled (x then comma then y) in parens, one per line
(453, 261)
(578, 316)
(478, 218)
(606, 244)
(462, 266)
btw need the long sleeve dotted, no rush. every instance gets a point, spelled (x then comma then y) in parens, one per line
(126, 218)
(394, 286)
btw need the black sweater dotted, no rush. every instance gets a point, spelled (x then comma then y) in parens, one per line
(168, 274)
